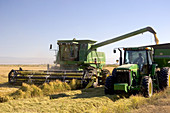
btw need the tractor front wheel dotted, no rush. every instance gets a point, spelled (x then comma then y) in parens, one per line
(147, 86)
(109, 85)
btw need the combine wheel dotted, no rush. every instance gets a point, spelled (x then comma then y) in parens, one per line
(89, 73)
(109, 85)
(11, 76)
(105, 73)
(147, 86)
(164, 77)
(95, 84)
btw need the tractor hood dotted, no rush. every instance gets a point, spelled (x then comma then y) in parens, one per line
(128, 66)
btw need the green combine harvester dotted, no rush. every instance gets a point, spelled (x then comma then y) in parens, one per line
(145, 70)
(75, 59)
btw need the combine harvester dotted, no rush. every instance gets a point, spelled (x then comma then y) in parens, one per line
(75, 59)
(145, 70)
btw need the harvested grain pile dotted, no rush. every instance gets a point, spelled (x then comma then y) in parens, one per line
(55, 87)
(29, 91)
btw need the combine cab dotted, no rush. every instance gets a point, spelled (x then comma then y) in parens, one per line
(75, 59)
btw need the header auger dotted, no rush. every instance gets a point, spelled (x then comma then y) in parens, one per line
(75, 59)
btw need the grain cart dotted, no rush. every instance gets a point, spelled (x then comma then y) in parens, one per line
(75, 59)
(145, 70)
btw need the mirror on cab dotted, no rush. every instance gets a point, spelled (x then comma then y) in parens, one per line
(51, 46)
(114, 51)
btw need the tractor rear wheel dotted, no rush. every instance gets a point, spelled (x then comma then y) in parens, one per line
(109, 85)
(147, 86)
(164, 77)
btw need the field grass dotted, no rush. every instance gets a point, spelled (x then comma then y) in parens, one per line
(92, 100)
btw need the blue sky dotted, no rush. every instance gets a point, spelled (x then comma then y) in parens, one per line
(28, 27)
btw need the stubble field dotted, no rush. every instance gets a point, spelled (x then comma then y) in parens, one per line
(92, 100)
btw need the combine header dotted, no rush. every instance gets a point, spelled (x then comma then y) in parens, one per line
(75, 59)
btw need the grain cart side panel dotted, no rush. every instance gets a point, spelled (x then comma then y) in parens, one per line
(162, 55)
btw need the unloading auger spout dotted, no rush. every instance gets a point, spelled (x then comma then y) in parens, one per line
(150, 29)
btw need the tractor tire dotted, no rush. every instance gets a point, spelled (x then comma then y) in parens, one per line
(164, 78)
(147, 86)
(105, 73)
(109, 85)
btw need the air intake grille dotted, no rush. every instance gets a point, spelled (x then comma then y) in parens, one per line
(123, 76)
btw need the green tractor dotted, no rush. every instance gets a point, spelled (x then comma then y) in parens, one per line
(75, 59)
(145, 70)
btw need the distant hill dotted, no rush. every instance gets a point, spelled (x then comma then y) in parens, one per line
(17, 60)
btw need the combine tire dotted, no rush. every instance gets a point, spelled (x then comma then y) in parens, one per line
(11, 77)
(89, 72)
(96, 83)
(105, 73)
(164, 78)
(109, 85)
(147, 86)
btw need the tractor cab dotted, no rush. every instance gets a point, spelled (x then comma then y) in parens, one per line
(135, 72)
(140, 56)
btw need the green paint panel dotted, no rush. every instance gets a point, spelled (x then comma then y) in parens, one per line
(162, 52)
(121, 87)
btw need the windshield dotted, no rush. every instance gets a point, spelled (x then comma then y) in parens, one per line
(69, 52)
(135, 57)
